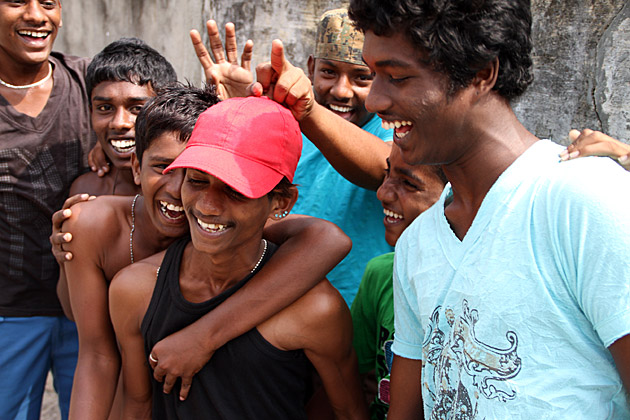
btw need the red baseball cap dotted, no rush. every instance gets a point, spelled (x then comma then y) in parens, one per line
(248, 143)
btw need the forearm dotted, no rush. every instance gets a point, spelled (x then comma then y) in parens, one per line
(357, 155)
(297, 266)
(94, 386)
(62, 293)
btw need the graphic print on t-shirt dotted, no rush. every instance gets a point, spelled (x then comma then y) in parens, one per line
(458, 369)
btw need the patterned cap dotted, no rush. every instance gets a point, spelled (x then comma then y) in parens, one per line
(338, 39)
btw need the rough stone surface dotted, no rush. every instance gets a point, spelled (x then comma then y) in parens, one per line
(581, 53)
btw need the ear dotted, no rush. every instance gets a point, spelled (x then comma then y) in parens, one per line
(311, 67)
(281, 206)
(486, 78)
(135, 168)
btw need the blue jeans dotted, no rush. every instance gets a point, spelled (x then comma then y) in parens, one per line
(29, 348)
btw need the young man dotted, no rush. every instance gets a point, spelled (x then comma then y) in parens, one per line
(112, 232)
(511, 292)
(232, 187)
(406, 192)
(120, 80)
(46, 136)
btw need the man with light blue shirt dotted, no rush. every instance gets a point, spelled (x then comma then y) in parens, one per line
(511, 293)
(341, 82)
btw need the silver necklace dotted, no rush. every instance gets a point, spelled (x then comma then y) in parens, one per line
(133, 225)
(261, 257)
(41, 82)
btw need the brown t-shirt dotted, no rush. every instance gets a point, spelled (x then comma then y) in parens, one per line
(39, 159)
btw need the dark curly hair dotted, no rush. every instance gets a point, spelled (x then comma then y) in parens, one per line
(129, 60)
(175, 109)
(459, 36)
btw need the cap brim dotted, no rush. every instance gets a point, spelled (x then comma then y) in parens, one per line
(250, 178)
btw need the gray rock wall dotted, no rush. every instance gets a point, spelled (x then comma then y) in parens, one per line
(581, 53)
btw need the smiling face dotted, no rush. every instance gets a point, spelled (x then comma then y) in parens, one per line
(28, 29)
(162, 192)
(431, 126)
(341, 87)
(115, 106)
(221, 219)
(405, 193)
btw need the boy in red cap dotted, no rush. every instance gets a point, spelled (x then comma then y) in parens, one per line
(239, 166)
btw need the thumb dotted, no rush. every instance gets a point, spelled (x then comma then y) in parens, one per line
(278, 61)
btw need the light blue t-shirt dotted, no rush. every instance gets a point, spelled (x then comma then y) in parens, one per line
(327, 195)
(514, 321)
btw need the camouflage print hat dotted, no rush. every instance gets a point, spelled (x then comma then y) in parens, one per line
(338, 39)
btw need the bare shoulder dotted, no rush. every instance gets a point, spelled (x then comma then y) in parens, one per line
(101, 216)
(139, 275)
(317, 320)
(321, 304)
(132, 287)
(92, 184)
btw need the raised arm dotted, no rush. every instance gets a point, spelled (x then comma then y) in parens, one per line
(224, 71)
(309, 249)
(98, 365)
(357, 155)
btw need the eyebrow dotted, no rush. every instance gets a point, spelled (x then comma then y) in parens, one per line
(410, 174)
(134, 99)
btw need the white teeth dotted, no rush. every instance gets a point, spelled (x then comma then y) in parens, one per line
(391, 214)
(123, 146)
(400, 135)
(164, 206)
(34, 34)
(170, 206)
(338, 108)
(390, 125)
(211, 227)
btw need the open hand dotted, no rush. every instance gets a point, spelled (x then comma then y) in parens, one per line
(224, 72)
(57, 237)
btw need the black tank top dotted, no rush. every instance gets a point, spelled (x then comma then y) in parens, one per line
(247, 378)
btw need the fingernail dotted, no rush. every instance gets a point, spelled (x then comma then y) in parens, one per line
(67, 213)
(623, 159)
(67, 237)
(68, 256)
(563, 155)
(575, 154)
(92, 197)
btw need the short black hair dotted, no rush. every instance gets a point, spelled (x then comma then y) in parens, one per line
(129, 60)
(459, 37)
(175, 109)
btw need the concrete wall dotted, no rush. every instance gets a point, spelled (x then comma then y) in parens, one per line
(581, 55)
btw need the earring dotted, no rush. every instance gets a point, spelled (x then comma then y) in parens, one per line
(281, 216)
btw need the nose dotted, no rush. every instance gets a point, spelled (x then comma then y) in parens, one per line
(34, 13)
(385, 192)
(342, 89)
(378, 99)
(174, 183)
(123, 120)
